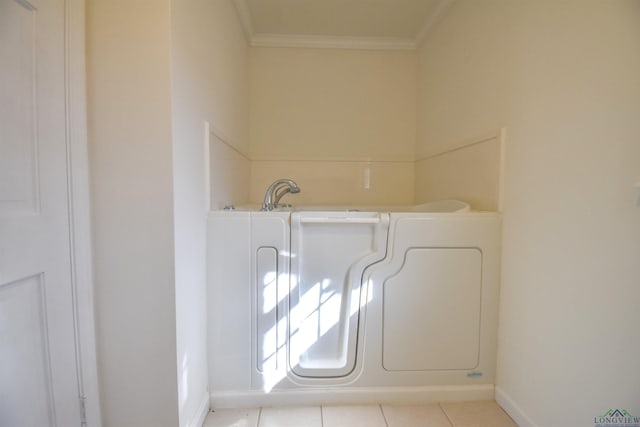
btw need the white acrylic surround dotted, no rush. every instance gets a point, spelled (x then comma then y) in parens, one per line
(319, 302)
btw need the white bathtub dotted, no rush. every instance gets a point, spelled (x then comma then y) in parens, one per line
(438, 206)
(341, 306)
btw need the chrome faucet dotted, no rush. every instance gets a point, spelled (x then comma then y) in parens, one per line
(276, 191)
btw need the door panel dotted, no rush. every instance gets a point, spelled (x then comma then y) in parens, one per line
(329, 253)
(17, 107)
(431, 311)
(24, 354)
(38, 368)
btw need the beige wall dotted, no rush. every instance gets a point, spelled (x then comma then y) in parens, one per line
(339, 109)
(336, 104)
(158, 71)
(129, 114)
(209, 91)
(342, 124)
(564, 79)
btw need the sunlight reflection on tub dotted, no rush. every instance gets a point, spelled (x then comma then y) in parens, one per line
(317, 311)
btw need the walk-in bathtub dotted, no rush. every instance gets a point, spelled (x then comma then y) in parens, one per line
(338, 305)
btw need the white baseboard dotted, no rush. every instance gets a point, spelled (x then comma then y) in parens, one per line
(201, 414)
(345, 396)
(513, 409)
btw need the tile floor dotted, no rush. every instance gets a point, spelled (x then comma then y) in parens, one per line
(453, 414)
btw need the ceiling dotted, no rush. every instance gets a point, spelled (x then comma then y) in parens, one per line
(372, 24)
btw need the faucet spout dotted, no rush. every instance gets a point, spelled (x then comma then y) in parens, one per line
(276, 191)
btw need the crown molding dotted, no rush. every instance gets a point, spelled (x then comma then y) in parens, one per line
(332, 42)
(336, 42)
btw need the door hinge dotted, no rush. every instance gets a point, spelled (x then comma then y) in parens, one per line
(83, 411)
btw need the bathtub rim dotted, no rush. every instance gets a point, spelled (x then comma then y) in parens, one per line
(443, 206)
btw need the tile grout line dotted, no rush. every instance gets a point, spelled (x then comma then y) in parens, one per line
(386, 423)
(446, 415)
(259, 417)
(321, 417)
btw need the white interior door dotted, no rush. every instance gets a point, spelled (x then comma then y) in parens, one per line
(38, 370)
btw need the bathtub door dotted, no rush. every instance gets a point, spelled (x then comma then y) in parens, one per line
(330, 251)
